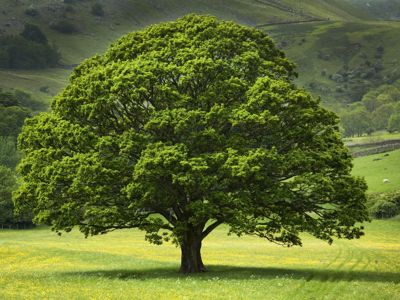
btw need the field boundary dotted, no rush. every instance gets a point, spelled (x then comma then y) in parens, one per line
(375, 147)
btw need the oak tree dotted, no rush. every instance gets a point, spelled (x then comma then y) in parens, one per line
(182, 127)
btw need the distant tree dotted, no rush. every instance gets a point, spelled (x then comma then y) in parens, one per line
(11, 120)
(9, 156)
(64, 26)
(31, 11)
(34, 33)
(97, 9)
(8, 219)
(357, 122)
(182, 127)
(381, 116)
(394, 123)
(7, 185)
(20, 53)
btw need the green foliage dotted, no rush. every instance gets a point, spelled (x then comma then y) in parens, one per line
(33, 33)
(97, 9)
(64, 26)
(7, 185)
(384, 205)
(184, 126)
(31, 11)
(381, 116)
(394, 122)
(374, 112)
(20, 53)
(14, 109)
(9, 155)
(356, 122)
(11, 120)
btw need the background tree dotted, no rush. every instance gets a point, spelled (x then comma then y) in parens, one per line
(9, 155)
(182, 127)
(394, 122)
(34, 33)
(357, 122)
(381, 116)
(7, 184)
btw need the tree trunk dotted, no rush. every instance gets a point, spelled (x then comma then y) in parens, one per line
(191, 261)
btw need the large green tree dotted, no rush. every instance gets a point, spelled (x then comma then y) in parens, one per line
(184, 126)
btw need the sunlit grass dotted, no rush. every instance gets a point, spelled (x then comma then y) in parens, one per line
(377, 167)
(37, 264)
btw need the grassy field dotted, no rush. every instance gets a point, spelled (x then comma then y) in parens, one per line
(37, 264)
(377, 167)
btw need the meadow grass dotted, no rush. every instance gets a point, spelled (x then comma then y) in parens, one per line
(38, 264)
(377, 167)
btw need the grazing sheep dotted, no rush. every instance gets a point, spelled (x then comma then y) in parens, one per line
(386, 180)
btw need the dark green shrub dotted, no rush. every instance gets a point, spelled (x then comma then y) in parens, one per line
(20, 53)
(69, 9)
(11, 120)
(33, 33)
(8, 219)
(385, 205)
(384, 210)
(9, 155)
(7, 185)
(97, 9)
(7, 99)
(64, 26)
(32, 12)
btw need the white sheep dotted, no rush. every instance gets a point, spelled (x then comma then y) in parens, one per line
(386, 180)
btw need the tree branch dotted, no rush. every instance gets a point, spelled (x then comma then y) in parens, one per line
(210, 228)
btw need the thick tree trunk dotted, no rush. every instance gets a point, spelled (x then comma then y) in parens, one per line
(191, 261)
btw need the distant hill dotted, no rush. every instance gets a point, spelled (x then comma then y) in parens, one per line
(334, 42)
(382, 9)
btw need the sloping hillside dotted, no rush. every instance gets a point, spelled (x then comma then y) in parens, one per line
(382, 9)
(303, 28)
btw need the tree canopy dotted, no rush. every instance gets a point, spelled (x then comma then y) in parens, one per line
(184, 126)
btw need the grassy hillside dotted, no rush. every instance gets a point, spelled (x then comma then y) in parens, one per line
(37, 264)
(383, 9)
(341, 61)
(95, 33)
(377, 167)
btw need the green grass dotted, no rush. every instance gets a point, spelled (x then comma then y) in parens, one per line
(377, 167)
(31, 81)
(37, 264)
